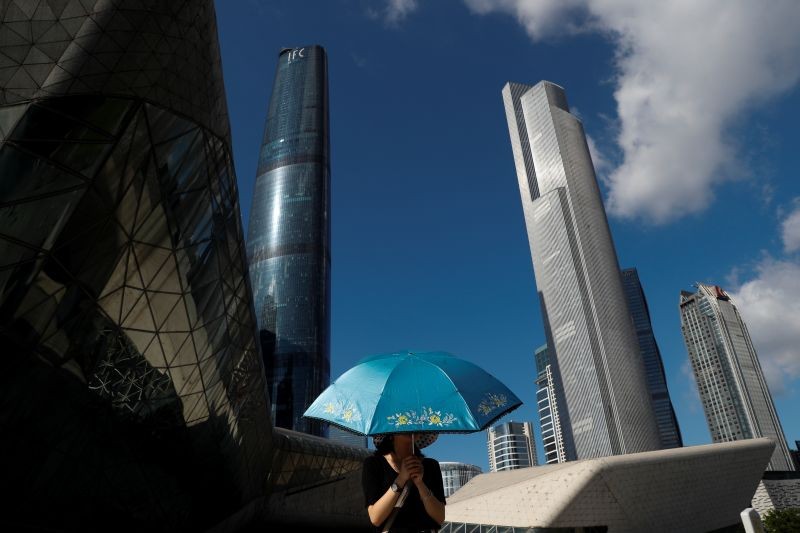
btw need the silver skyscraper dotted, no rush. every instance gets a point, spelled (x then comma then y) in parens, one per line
(587, 322)
(736, 400)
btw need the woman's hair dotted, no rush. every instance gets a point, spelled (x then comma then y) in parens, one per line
(387, 446)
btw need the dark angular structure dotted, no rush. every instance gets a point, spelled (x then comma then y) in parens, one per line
(668, 430)
(132, 393)
(288, 238)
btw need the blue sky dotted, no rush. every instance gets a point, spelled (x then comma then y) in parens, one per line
(692, 115)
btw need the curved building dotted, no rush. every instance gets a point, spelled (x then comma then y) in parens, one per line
(607, 408)
(456, 475)
(288, 239)
(132, 389)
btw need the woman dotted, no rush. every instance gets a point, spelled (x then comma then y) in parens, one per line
(392, 468)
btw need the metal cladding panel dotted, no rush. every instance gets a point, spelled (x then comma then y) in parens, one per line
(288, 242)
(578, 275)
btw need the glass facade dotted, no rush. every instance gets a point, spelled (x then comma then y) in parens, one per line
(511, 446)
(288, 240)
(668, 429)
(736, 400)
(132, 387)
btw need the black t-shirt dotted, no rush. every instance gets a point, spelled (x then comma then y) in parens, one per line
(378, 476)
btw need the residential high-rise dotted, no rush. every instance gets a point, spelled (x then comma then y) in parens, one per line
(288, 239)
(668, 430)
(547, 403)
(587, 322)
(511, 446)
(456, 475)
(735, 396)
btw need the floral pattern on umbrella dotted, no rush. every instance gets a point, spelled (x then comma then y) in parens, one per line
(492, 402)
(340, 410)
(428, 416)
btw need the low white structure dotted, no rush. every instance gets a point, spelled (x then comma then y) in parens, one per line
(695, 489)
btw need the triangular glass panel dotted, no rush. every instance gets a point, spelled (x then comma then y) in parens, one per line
(193, 212)
(151, 260)
(57, 6)
(217, 331)
(140, 340)
(36, 56)
(96, 267)
(21, 80)
(53, 50)
(167, 277)
(12, 253)
(178, 348)
(164, 305)
(125, 163)
(130, 298)
(195, 409)
(117, 277)
(154, 229)
(208, 302)
(140, 316)
(40, 30)
(13, 13)
(187, 379)
(111, 303)
(201, 344)
(32, 177)
(198, 263)
(42, 297)
(166, 126)
(9, 117)
(38, 222)
(72, 25)
(154, 355)
(16, 53)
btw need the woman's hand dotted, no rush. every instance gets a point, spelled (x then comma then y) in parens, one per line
(410, 469)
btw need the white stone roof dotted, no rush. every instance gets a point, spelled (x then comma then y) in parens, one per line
(699, 488)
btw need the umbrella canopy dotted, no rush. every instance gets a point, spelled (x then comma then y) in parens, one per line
(413, 392)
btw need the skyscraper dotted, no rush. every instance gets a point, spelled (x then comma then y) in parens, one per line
(511, 446)
(547, 404)
(288, 239)
(668, 430)
(587, 321)
(735, 396)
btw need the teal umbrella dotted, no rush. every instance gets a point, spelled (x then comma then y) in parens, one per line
(413, 392)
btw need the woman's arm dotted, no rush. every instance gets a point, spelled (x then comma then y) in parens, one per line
(433, 506)
(381, 509)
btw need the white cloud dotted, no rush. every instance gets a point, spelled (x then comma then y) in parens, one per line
(397, 10)
(770, 306)
(790, 231)
(684, 71)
